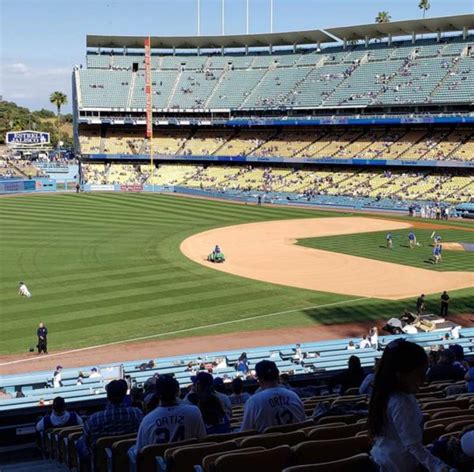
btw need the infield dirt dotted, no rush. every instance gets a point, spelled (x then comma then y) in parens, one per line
(267, 251)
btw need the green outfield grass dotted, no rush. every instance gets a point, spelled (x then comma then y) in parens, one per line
(373, 246)
(107, 267)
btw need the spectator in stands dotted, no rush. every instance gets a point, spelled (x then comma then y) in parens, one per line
(4, 395)
(57, 377)
(238, 397)
(367, 384)
(365, 343)
(458, 354)
(94, 373)
(59, 417)
(215, 418)
(351, 346)
(273, 404)
(219, 389)
(469, 378)
(374, 337)
(172, 420)
(243, 363)
(395, 419)
(117, 419)
(445, 369)
(350, 378)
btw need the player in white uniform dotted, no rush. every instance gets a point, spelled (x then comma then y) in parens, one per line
(273, 405)
(172, 420)
(23, 290)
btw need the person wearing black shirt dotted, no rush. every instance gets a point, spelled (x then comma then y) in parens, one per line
(420, 305)
(42, 334)
(444, 304)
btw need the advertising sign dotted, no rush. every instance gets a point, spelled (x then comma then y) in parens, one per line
(29, 138)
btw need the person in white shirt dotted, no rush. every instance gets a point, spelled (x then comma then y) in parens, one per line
(23, 290)
(395, 421)
(94, 373)
(351, 346)
(374, 337)
(365, 343)
(172, 420)
(273, 405)
(57, 377)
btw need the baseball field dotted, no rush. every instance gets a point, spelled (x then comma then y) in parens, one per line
(107, 268)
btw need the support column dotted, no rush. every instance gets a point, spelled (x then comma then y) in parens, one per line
(366, 41)
(413, 37)
(389, 39)
(246, 49)
(464, 33)
(271, 49)
(344, 46)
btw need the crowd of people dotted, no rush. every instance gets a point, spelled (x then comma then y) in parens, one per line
(160, 413)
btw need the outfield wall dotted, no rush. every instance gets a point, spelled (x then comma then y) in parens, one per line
(8, 186)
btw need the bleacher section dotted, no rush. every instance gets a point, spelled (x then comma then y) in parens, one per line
(335, 427)
(403, 73)
(396, 185)
(420, 143)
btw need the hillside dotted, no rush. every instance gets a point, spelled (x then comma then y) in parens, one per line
(16, 118)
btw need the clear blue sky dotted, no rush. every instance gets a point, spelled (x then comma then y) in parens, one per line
(41, 40)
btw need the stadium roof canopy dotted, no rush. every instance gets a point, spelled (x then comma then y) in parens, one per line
(444, 24)
(211, 42)
(329, 35)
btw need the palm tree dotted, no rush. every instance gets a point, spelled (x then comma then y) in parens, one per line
(59, 99)
(425, 6)
(383, 17)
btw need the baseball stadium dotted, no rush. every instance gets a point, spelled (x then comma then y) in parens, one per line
(258, 211)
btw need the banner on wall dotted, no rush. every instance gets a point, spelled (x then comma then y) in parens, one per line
(102, 188)
(131, 188)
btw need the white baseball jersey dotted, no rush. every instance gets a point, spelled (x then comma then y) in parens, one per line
(24, 291)
(272, 407)
(171, 424)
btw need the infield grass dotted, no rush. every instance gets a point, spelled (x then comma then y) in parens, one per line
(107, 267)
(373, 246)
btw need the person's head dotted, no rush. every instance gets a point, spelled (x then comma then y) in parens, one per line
(218, 384)
(354, 364)
(116, 391)
(402, 368)
(21, 283)
(94, 370)
(284, 379)
(267, 373)
(298, 346)
(422, 295)
(457, 351)
(351, 343)
(446, 357)
(243, 356)
(59, 405)
(59, 368)
(203, 381)
(167, 390)
(237, 386)
(41, 325)
(364, 337)
(211, 407)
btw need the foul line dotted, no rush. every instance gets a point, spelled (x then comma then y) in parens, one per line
(196, 328)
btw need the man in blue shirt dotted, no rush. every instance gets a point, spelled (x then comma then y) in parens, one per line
(117, 419)
(411, 239)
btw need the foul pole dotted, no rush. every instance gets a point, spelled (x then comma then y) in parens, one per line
(149, 95)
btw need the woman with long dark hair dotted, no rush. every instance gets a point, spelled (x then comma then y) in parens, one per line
(215, 419)
(395, 420)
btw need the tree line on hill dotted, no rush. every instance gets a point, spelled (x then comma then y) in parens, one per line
(16, 118)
